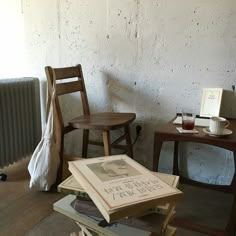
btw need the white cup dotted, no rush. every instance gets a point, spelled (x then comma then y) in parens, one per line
(218, 125)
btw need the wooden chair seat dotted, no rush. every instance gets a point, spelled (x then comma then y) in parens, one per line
(102, 121)
(105, 122)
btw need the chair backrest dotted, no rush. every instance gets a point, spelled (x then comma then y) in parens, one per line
(61, 78)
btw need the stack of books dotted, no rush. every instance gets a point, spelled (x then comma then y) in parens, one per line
(115, 195)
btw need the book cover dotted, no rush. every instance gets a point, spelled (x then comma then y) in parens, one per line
(92, 223)
(71, 186)
(211, 102)
(170, 231)
(121, 187)
(153, 222)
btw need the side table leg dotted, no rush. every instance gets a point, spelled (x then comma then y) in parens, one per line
(176, 158)
(156, 152)
(231, 226)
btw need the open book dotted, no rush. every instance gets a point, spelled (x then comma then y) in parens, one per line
(92, 224)
(121, 187)
(88, 231)
(152, 222)
(71, 186)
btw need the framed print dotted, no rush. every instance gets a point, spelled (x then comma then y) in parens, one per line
(211, 102)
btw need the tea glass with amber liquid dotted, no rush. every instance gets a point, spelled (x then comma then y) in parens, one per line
(188, 120)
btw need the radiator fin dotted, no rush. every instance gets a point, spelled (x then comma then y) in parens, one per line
(20, 118)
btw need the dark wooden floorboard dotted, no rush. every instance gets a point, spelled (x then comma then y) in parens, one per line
(20, 207)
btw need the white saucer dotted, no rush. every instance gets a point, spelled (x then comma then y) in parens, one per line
(226, 132)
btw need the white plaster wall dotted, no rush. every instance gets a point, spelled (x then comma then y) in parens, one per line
(151, 57)
(12, 48)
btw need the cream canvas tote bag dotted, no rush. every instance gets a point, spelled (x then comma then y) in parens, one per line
(45, 160)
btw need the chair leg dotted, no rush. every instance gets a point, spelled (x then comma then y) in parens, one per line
(128, 141)
(106, 142)
(85, 143)
(60, 169)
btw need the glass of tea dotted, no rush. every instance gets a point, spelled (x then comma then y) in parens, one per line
(188, 120)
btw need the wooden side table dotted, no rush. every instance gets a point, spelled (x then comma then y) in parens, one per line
(169, 132)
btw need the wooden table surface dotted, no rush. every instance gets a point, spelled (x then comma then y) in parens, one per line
(169, 132)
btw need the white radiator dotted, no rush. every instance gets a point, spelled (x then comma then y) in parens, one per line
(20, 118)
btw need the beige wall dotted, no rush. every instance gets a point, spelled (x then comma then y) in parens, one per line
(152, 57)
(12, 50)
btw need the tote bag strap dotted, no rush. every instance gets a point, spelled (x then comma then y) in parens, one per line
(50, 114)
(51, 95)
(54, 119)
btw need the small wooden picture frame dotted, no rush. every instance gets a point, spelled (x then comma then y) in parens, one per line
(211, 102)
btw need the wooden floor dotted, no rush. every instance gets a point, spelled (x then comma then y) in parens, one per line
(20, 207)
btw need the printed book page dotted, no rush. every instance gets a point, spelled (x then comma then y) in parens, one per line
(116, 229)
(153, 222)
(63, 206)
(70, 185)
(119, 181)
(211, 102)
(170, 231)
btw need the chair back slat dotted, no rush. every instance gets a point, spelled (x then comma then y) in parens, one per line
(66, 86)
(69, 87)
(67, 72)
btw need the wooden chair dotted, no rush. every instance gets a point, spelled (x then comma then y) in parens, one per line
(104, 122)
